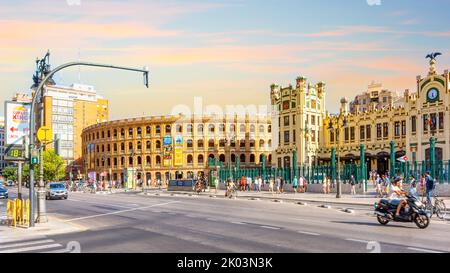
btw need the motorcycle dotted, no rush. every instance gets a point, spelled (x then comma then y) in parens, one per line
(414, 211)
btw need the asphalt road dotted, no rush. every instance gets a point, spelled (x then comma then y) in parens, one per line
(128, 222)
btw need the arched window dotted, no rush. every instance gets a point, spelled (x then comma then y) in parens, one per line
(232, 128)
(122, 132)
(115, 161)
(122, 146)
(242, 158)
(130, 146)
(269, 129)
(189, 143)
(211, 143)
(148, 130)
(158, 129)
(200, 159)
(190, 159)
(103, 148)
(233, 158)
(179, 128)
(221, 128)
(211, 156)
(139, 160)
(189, 128)
(261, 143)
(109, 133)
(122, 161)
(130, 160)
(242, 128)
(168, 129)
(222, 158)
(115, 133)
(252, 143)
(148, 145)
(222, 143)
(252, 128)
(242, 143)
(200, 129)
(139, 145)
(158, 144)
(108, 149)
(200, 143)
(130, 132)
(103, 134)
(252, 158)
(269, 143)
(139, 131)
(270, 158)
(115, 147)
(148, 160)
(211, 128)
(261, 129)
(98, 149)
(158, 160)
(108, 162)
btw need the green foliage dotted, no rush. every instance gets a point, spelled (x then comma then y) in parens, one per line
(54, 167)
(10, 173)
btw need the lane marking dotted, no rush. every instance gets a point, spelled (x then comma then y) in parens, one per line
(424, 250)
(24, 249)
(267, 227)
(357, 240)
(308, 233)
(238, 223)
(118, 212)
(212, 219)
(25, 244)
(102, 204)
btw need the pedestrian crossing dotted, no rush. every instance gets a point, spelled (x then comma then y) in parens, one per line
(37, 245)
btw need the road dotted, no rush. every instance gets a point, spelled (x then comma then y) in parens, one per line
(129, 222)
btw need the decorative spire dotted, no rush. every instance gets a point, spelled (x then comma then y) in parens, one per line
(432, 56)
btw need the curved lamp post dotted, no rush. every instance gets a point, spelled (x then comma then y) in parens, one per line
(42, 217)
(337, 138)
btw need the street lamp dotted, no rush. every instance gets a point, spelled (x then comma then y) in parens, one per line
(228, 142)
(337, 138)
(42, 217)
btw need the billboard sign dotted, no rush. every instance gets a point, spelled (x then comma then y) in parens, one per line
(167, 151)
(17, 122)
(178, 154)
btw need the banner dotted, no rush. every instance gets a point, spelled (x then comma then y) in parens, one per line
(17, 122)
(167, 151)
(131, 182)
(178, 158)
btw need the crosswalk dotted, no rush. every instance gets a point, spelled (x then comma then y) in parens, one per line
(37, 245)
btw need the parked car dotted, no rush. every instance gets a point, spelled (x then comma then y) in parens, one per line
(3, 192)
(56, 190)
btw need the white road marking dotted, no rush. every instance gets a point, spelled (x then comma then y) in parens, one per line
(424, 250)
(212, 219)
(267, 227)
(101, 204)
(238, 223)
(308, 233)
(24, 249)
(121, 211)
(3, 246)
(357, 240)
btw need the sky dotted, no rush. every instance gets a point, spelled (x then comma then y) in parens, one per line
(224, 52)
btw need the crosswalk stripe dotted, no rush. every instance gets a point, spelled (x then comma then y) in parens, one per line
(2, 246)
(24, 249)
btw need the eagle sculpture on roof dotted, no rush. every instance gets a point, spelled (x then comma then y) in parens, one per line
(433, 55)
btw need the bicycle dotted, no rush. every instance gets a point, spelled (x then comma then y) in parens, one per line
(437, 208)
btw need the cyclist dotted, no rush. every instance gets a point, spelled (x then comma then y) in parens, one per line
(429, 186)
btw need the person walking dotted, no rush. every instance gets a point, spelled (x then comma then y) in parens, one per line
(429, 186)
(379, 186)
(295, 184)
(260, 183)
(353, 184)
(278, 184)
(242, 183)
(282, 185)
(271, 184)
(216, 184)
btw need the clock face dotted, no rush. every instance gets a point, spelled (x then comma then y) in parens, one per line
(432, 94)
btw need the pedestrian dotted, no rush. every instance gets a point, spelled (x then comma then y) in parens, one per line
(261, 183)
(278, 184)
(301, 184)
(216, 184)
(295, 184)
(271, 184)
(242, 183)
(379, 185)
(282, 185)
(324, 186)
(353, 184)
(429, 186)
(422, 185)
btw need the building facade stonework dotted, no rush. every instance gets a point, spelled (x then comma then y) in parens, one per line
(409, 121)
(173, 147)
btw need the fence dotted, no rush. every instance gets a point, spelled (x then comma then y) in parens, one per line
(18, 212)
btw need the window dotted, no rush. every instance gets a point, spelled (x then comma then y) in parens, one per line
(200, 159)
(158, 144)
(293, 136)
(252, 143)
(286, 105)
(331, 136)
(115, 147)
(441, 121)
(233, 143)
(122, 132)
(252, 129)
(200, 129)
(242, 144)
(139, 145)
(211, 128)
(385, 130)
(397, 129)
(130, 132)
(222, 128)
(261, 129)
(158, 129)
(242, 128)
(269, 129)
(352, 133)
(148, 130)
(200, 143)
(413, 124)
(222, 143)
(211, 143)
(286, 121)
(168, 129)
(130, 146)
(233, 128)
(433, 122)
(425, 122)
(346, 133)
(368, 132)
(189, 143)
(158, 160)
(179, 128)
(384, 99)
(403, 127)
(313, 120)
(148, 160)
(190, 159)
(293, 119)
(148, 145)
(362, 131)
(189, 128)
(139, 131)
(286, 137)
(122, 147)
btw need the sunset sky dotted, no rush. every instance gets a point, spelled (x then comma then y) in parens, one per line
(227, 52)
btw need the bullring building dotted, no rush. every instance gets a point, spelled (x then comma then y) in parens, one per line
(173, 147)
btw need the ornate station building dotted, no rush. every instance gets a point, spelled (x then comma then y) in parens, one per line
(411, 122)
(173, 147)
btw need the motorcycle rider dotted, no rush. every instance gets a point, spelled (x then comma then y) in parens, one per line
(396, 195)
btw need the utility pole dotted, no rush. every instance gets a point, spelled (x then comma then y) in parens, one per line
(46, 74)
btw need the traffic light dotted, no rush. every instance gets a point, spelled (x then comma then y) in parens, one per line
(34, 157)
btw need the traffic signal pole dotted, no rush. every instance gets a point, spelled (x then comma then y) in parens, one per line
(41, 208)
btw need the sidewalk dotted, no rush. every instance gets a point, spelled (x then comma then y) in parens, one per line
(346, 199)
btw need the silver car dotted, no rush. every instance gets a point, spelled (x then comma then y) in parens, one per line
(56, 190)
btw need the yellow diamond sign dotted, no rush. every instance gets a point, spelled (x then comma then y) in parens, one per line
(45, 134)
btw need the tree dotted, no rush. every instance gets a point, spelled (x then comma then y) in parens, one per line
(54, 167)
(10, 173)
